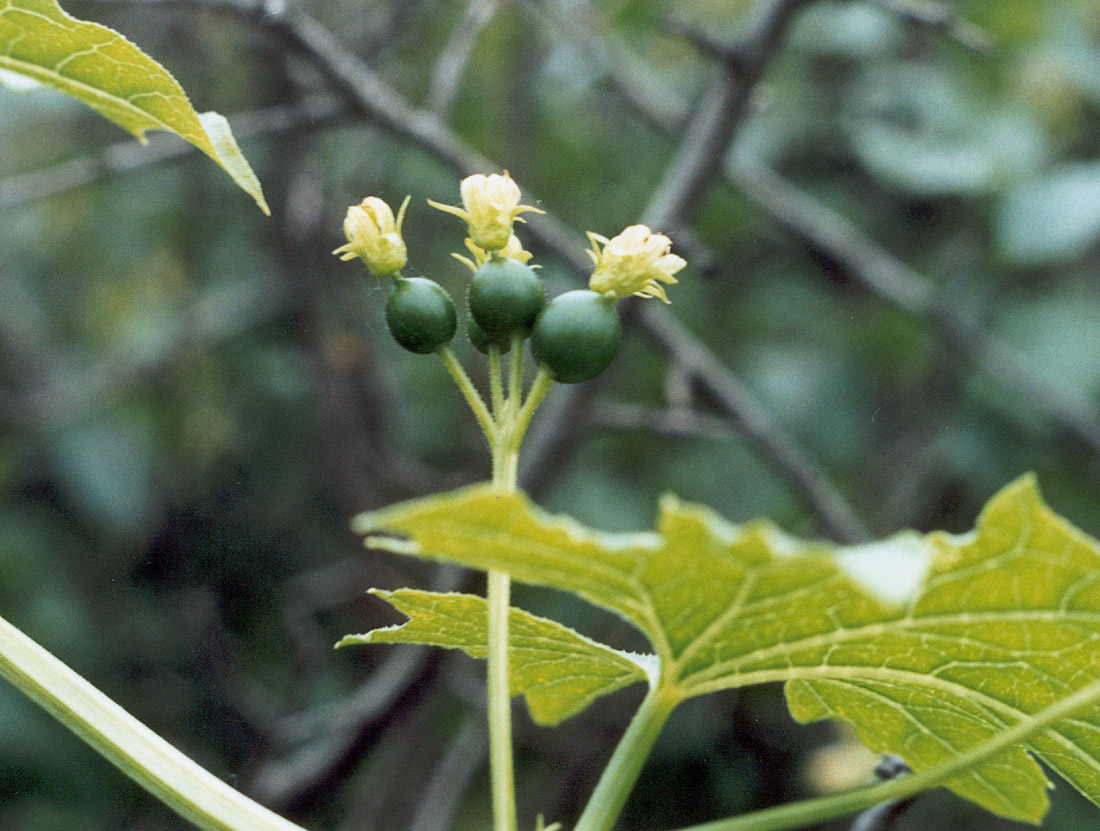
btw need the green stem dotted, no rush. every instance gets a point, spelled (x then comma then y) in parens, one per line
(499, 705)
(815, 811)
(504, 428)
(496, 387)
(541, 386)
(189, 790)
(470, 393)
(621, 774)
(515, 375)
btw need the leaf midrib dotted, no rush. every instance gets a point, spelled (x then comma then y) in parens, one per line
(902, 678)
(86, 91)
(974, 773)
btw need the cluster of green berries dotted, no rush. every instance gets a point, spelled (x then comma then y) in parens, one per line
(574, 336)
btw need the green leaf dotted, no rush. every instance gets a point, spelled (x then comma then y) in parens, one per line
(112, 76)
(998, 624)
(1052, 218)
(559, 671)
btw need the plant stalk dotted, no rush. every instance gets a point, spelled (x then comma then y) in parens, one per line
(191, 791)
(504, 427)
(621, 773)
(499, 705)
(505, 452)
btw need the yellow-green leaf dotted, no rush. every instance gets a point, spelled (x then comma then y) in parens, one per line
(112, 76)
(998, 624)
(559, 671)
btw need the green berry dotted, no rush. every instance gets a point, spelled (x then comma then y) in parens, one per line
(504, 297)
(482, 341)
(420, 314)
(577, 335)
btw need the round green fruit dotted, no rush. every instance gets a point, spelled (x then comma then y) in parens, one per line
(577, 335)
(482, 341)
(504, 297)
(420, 314)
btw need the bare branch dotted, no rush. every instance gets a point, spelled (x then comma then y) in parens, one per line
(941, 17)
(328, 735)
(693, 169)
(579, 24)
(754, 421)
(882, 816)
(679, 422)
(882, 274)
(723, 107)
(456, 54)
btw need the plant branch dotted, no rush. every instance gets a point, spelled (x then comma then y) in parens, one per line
(756, 424)
(882, 274)
(941, 17)
(721, 111)
(312, 112)
(447, 72)
(451, 778)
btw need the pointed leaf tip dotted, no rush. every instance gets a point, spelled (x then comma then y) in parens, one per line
(101, 68)
(557, 670)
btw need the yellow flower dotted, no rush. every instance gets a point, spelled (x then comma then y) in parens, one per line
(491, 206)
(637, 261)
(514, 250)
(375, 236)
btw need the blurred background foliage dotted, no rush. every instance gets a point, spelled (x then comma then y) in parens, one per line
(195, 399)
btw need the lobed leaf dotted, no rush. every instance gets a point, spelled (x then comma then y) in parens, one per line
(999, 624)
(100, 67)
(559, 671)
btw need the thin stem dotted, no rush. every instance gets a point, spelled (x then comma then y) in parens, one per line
(621, 773)
(470, 393)
(814, 811)
(504, 428)
(192, 792)
(541, 386)
(499, 706)
(515, 375)
(496, 387)
(501, 766)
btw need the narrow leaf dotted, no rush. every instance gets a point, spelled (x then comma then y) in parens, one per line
(112, 76)
(999, 624)
(559, 671)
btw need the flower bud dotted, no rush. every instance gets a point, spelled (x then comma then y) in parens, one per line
(490, 206)
(375, 236)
